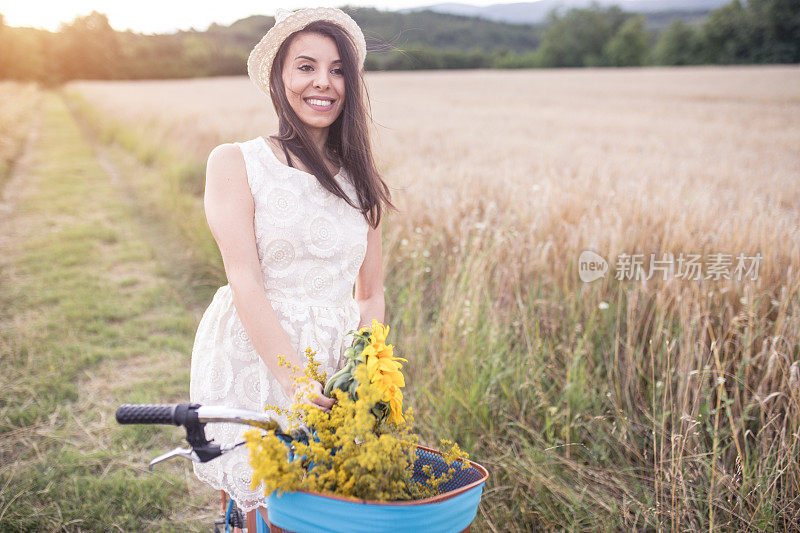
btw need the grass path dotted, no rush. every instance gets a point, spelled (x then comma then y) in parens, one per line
(92, 315)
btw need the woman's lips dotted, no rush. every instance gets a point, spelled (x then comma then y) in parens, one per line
(319, 107)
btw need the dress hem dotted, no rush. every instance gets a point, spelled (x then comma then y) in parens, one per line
(218, 486)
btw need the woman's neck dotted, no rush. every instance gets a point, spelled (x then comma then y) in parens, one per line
(319, 136)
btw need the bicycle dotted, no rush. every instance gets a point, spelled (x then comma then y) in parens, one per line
(452, 510)
(193, 417)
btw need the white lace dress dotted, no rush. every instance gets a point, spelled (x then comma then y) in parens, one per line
(311, 245)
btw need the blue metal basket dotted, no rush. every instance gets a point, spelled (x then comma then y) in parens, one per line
(450, 511)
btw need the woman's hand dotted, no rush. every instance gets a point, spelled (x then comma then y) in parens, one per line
(311, 393)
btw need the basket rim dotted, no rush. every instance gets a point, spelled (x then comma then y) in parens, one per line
(431, 499)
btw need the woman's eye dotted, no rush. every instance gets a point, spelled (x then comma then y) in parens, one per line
(307, 67)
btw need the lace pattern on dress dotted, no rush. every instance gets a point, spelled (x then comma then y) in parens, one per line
(311, 245)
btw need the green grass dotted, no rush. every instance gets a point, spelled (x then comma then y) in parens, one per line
(88, 323)
(166, 187)
(18, 102)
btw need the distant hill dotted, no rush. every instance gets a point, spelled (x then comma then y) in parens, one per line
(655, 11)
(424, 39)
(381, 28)
(438, 36)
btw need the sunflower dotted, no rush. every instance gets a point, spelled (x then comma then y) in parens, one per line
(384, 369)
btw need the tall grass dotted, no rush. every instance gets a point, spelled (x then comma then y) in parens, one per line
(605, 406)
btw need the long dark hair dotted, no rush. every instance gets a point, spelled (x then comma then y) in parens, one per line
(348, 136)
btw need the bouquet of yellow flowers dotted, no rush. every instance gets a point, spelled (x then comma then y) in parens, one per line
(364, 446)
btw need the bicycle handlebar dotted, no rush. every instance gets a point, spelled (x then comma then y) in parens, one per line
(153, 414)
(180, 413)
(193, 417)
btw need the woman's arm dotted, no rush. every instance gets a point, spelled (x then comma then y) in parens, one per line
(369, 283)
(229, 210)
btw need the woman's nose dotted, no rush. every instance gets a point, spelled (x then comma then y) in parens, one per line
(322, 81)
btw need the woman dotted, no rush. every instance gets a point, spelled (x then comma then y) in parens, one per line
(297, 220)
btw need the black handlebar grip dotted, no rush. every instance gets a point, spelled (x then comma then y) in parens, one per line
(147, 414)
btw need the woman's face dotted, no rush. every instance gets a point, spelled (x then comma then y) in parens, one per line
(313, 78)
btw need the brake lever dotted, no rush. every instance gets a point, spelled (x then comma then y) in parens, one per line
(191, 454)
(196, 454)
(203, 450)
(177, 452)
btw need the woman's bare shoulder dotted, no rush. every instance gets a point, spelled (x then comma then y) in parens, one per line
(226, 154)
(227, 182)
(226, 164)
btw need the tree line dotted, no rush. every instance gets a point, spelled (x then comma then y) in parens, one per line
(751, 31)
(758, 31)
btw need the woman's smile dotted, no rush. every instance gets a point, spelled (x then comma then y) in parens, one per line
(320, 104)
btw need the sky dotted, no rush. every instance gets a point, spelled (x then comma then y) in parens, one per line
(164, 16)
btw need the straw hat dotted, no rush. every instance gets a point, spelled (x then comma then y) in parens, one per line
(259, 64)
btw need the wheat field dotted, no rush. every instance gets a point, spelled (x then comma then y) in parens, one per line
(617, 404)
(613, 159)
